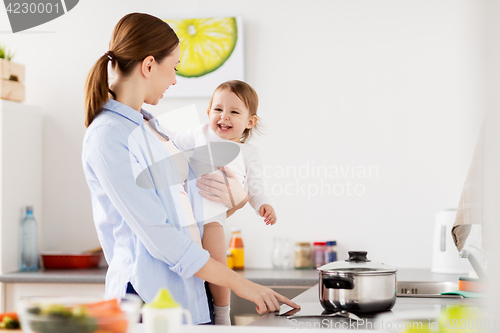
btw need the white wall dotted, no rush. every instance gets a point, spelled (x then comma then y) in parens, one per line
(491, 181)
(392, 85)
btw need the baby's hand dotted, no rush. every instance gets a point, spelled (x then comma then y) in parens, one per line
(267, 212)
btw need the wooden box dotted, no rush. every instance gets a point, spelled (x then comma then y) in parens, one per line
(11, 81)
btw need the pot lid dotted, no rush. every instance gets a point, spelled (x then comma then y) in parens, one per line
(358, 264)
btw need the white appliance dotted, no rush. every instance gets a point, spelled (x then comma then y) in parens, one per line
(445, 256)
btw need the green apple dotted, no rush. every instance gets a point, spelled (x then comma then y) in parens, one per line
(460, 318)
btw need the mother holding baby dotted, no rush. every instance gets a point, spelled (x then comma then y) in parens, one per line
(147, 204)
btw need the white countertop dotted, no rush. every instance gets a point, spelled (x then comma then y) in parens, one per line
(271, 323)
(242, 329)
(309, 302)
(264, 276)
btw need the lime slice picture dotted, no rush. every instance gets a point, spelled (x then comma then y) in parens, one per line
(205, 44)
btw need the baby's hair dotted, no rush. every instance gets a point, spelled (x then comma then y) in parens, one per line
(248, 96)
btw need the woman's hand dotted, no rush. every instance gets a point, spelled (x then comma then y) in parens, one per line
(266, 299)
(225, 188)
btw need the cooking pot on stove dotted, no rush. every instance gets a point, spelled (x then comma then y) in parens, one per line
(357, 285)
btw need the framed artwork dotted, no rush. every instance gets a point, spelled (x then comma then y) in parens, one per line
(211, 53)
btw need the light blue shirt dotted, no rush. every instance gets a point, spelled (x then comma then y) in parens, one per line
(135, 195)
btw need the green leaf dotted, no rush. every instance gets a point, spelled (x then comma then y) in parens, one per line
(6, 54)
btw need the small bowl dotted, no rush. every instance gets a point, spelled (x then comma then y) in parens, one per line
(71, 261)
(78, 314)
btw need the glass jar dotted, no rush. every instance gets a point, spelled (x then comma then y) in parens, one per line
(303, 255)
(282, 253)
(236, 248)
(330, 253)
(319, 254)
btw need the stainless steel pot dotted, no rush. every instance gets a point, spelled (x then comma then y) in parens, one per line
(357, 285)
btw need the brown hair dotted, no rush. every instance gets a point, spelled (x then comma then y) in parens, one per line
(135, 37)
(248, 96)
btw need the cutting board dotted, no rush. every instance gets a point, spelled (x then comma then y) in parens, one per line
(14, 331)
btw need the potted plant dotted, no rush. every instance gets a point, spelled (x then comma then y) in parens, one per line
(5, 54)
(11, 77)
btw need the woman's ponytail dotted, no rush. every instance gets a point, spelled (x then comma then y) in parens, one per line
(96, 89)
(136, 36)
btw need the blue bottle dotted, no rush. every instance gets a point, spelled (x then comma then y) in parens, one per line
(29, 241)
(330, 253)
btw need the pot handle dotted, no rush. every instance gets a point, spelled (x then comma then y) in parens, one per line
(337, 282)
(357, 256)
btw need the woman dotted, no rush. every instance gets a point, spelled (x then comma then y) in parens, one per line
(146, 204)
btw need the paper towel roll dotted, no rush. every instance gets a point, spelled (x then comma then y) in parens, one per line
(445, 258)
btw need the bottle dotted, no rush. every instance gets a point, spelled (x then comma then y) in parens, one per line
(229, 259)
(236, 248)
(319, 254)
(330, 253)
(303, 255)
(28, 242)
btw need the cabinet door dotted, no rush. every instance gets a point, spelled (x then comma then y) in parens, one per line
(14, 291)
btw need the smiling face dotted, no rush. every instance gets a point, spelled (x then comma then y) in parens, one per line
(162, 76)
(229, 116)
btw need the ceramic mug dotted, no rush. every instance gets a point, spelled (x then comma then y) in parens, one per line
(167, 320)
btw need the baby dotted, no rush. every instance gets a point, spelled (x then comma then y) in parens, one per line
(232, 117)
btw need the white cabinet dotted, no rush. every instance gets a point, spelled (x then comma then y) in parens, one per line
(20, 175)
(70, 282)
(15, 291)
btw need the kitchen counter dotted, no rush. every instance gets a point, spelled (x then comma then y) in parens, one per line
(309, 302)
(238, 329)
(94, 275)
(309, 299)
(268, 277)
(91, 282)
(264, 276)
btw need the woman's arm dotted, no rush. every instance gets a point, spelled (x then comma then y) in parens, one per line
(266, 299)
(109, 164)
